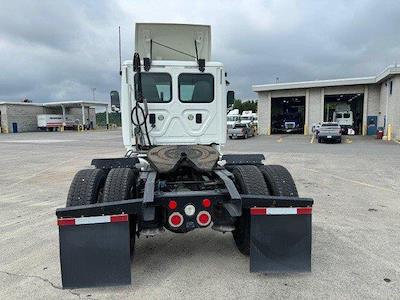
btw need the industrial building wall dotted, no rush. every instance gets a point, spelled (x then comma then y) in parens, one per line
(25, 116)
(315, 107)
(373, 100)
(264, 112)
(395, 108)
(3, 122)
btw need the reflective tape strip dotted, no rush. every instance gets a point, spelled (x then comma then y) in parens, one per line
(92, 220)
(258, 211)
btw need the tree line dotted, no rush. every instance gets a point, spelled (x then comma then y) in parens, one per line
(246, 105)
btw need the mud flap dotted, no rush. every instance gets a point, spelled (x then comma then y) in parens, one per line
(280, 239)
(95, 251)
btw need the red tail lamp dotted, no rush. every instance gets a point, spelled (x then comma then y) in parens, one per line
(172, 204)
(203, 218)
(206, 203)
(175, 219)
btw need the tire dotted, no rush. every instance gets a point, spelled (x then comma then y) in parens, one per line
(279, 181)
(120, 185)
(86, 187)
(249, 180)
(230, 137)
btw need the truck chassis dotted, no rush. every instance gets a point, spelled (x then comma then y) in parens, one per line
(122, 199)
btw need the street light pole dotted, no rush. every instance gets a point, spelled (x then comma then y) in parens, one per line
(94, 96)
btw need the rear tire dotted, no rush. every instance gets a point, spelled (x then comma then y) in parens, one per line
(279, 181)
(120, 185)
(86, 187)
(249, 180)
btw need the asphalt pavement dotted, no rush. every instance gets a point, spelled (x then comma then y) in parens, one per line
(356, 223)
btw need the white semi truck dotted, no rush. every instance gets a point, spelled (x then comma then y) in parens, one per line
(344, 117)
(232, 118)
(173, 175)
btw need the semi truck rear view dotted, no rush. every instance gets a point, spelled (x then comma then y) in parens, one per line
(174, 176)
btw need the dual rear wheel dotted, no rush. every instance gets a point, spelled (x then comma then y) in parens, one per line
(272, 180)
(91, 186)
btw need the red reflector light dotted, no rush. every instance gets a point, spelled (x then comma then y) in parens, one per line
(206, 203)
(65, 222)
(118, 218)
(175, 219)
(172, 204)
(203, 218)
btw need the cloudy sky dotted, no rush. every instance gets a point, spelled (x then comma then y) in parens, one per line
(60, 50)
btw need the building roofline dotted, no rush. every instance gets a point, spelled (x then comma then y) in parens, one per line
(58, 103)
(388, 72)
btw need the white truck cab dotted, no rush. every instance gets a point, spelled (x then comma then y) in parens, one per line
(247, 117)
(186, 103)
(233, 118)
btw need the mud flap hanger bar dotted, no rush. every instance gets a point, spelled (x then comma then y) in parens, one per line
(135, 206)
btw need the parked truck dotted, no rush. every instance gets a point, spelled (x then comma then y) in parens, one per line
(50, 122)
(174, 176)
(344, 117)
(232, 118)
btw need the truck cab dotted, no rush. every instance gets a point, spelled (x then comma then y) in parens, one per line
(184, 90)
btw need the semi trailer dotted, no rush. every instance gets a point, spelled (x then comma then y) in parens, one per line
(174, 176)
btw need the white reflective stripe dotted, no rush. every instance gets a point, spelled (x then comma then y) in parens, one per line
(92, 220)
(281, 211)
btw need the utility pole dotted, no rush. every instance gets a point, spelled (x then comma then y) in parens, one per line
(94, 95)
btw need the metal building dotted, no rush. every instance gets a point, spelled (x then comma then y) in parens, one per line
(22, 117)
(375, 101)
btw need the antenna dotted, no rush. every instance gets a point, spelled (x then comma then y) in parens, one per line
(119, 43)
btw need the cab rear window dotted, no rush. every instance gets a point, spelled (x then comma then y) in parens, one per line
(157, 87)
(196, 88)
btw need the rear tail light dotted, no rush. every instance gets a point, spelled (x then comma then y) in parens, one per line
(203, 218)
(172, 204)
(206, 203)
(175, 219)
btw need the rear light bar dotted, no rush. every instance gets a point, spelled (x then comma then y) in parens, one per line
(92, 220)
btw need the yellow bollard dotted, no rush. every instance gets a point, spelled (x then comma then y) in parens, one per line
(305, 129)
(389, 132)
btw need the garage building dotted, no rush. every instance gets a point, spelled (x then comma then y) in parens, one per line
(22, 117)
(374, 102)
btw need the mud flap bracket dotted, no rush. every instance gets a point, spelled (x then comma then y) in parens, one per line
(280, 239)
(95, 251)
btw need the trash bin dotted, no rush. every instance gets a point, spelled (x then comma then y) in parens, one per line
(379, 133)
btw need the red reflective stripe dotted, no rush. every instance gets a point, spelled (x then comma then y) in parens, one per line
(304, 210)
(256, 211)
(66, 222)
(119, 218)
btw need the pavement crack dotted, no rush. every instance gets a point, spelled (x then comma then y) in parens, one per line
(46, 281)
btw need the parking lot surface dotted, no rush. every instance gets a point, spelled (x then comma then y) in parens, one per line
(356, 224)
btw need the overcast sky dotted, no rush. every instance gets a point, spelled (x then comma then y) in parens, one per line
(60, 50)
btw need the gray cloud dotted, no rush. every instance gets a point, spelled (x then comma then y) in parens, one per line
(54, 50)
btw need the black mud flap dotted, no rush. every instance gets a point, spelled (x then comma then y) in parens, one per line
(280, 239)
(95, 251)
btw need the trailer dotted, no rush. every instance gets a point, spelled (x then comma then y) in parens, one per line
(50, 122)
(173, 176)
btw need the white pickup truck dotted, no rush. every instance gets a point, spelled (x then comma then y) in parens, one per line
(329, 131)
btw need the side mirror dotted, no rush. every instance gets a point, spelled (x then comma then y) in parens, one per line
(230, 98)
(115, 105)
